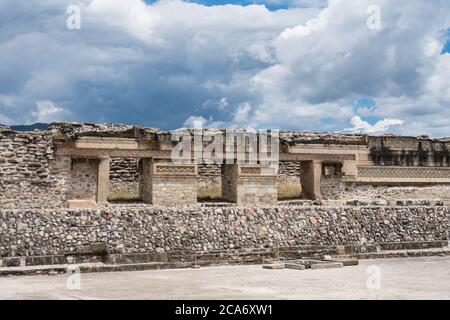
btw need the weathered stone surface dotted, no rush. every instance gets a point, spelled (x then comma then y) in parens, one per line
(26, 176)
(326, 265)
(151, 229)
(35, 174)
(295, 266)
(81, 204)
(274, 266)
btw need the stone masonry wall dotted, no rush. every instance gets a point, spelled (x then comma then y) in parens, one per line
(29, 175)
(82, 179)
(144, 229)
(124, 175)
(289, 171)
(209, 174)
(334, 189)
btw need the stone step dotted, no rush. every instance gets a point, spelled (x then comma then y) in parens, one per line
(274, 266)
(326, 265)
(295, 266)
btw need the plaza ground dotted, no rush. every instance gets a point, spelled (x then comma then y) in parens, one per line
(401, 278)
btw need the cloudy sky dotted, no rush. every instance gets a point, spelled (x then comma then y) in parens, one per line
(288, 64)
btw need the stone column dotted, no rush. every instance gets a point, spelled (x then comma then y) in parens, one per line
(103, 180)
(166, 183)
(310, 179)
(249, 184)
(145, 184)
(349, 168)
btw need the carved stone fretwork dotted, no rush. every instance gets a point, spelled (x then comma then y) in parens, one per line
(174, 169)
(250, 170)
(403, 174)
(168, 183)
(256, 170)
(316, 156)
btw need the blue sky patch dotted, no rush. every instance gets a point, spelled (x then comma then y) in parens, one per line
(269, 4)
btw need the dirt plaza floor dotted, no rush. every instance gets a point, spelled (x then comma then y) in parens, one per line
(399, 278)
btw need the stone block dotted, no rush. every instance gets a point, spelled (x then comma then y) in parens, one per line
(326, 265)
(81, 204)
(347, 262)
(249, 184)
(165, 183)
(295, 266)
(274, 266)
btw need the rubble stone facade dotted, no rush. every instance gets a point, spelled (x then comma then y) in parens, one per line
(128, 229)
(73, 162)
(360, 190)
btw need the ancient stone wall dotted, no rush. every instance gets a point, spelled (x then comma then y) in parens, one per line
(124, 175)
(82, 179)
(209, 174)
(167, 183)
(144, 229)
(33, 176)
(29, 175)
(409, 151)
(289, 171)
(334, 189)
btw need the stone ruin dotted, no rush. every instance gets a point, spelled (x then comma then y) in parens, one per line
(356, 194)
(79, 165)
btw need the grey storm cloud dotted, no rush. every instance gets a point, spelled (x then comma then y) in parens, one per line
(166, 62)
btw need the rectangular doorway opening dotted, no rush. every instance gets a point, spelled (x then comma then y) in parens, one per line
(124, 180)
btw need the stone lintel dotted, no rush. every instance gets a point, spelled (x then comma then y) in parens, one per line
(106, 143)
(166, 154)
(113, 153)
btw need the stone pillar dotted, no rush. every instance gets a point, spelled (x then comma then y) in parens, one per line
(349, 168)
(103, 181)
(310, 179)
(145, 184)
(249, 184)
(167, 183)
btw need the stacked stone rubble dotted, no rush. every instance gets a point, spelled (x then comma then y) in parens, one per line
(143, 229)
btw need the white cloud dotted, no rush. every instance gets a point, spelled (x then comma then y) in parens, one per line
(220, 104)
(360, 126)
(241, 115)
(46, 111)
(201, 122)
(299, 68)
(328, 62)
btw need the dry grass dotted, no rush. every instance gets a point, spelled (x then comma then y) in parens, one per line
(286, 191)
(123, 196)
(210, 193)
(289, 191)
